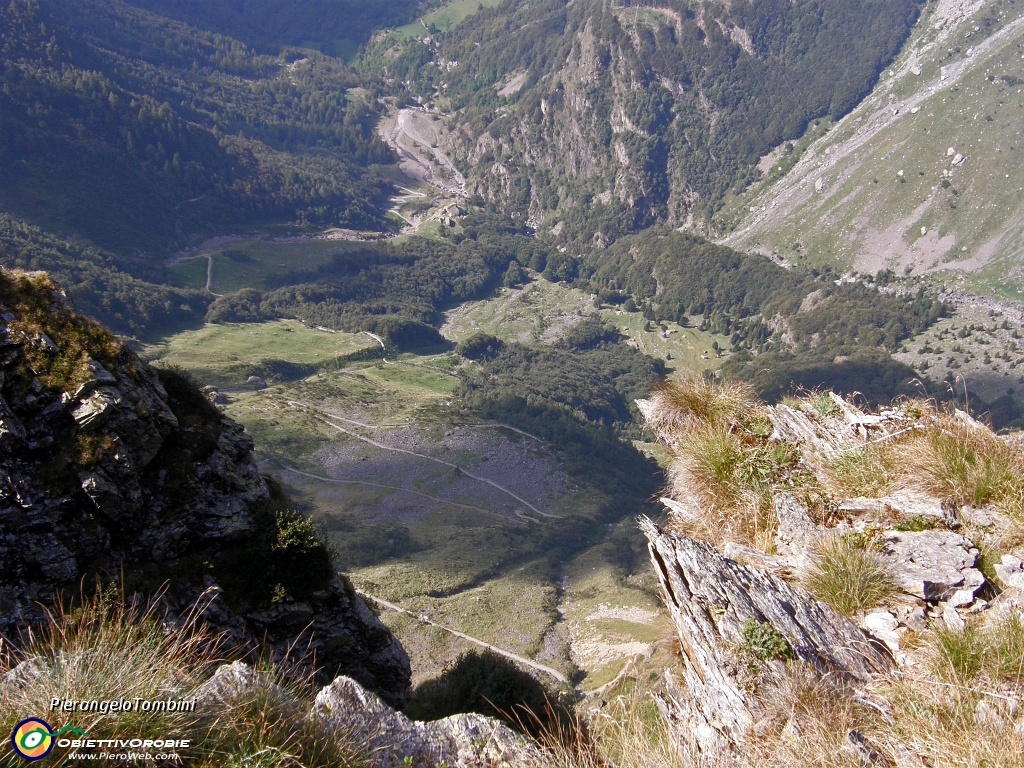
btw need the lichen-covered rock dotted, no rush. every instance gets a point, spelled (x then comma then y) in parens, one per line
(933, 565)
(797, 533)
(905, 505)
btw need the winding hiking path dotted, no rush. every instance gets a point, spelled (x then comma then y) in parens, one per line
(500, 651)
(399, 489)
(325, 418)
(383, 348)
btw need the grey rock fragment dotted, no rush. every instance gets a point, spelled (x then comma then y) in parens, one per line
(931, 565)
(1010, 572)
(797, 532)
(97, 408)
(236, 683)
(392, 740)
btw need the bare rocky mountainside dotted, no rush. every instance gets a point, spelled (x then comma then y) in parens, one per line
(116, 472)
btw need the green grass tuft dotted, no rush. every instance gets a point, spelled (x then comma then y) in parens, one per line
(849, 576)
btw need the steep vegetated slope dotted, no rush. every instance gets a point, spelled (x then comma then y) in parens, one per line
(134, 131)
(786, 328)
(101, 282)
(335, 27)
(602, 118)
(923, 177)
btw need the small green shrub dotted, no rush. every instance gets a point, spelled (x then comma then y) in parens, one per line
(284, 556)
(825, 405)
(765, 642)
(917, 523)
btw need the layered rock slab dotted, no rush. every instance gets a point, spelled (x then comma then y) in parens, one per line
(713, 601)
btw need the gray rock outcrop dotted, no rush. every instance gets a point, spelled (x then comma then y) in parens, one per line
(715, 603)
(458, 741)
(103, 472)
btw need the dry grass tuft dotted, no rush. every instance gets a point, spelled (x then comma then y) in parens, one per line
(870, 471)
(696, 401)
(966, 463)
(627, 733)
(849, 575)
(995, 654)
(723, 461)
(105, 649)
(806, 720)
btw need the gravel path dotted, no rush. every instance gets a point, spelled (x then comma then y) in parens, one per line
(328, 419)
(500, 651)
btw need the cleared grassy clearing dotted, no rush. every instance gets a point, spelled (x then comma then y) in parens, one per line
(188, 274)
(225, 355)
(444, 18)
(543, 311)
(249, 263)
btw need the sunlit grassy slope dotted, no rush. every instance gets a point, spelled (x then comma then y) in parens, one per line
(249, 264)
(226, 355)
(543, 311)
(445, 17)
(564, 580)
(926, 174)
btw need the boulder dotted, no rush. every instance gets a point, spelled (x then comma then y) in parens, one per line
(236, 683)
(1010, 572)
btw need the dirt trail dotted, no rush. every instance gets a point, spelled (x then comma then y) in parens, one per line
(383, 348)
(399, 489)
(500, 651)
(326, 418)
(209, 276)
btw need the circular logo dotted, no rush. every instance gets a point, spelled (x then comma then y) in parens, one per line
(32, 738)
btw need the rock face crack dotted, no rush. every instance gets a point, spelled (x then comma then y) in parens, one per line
(712, 599)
